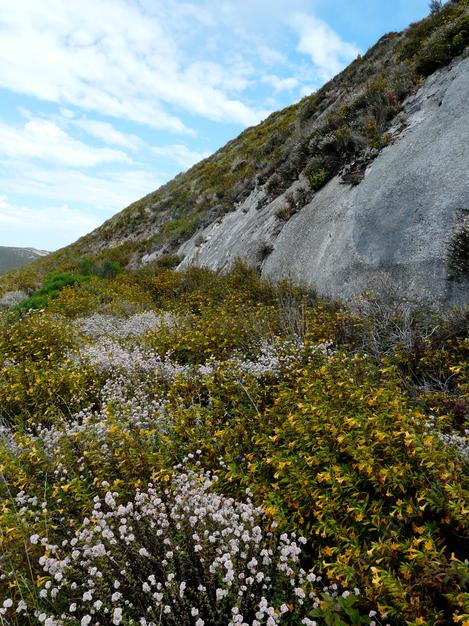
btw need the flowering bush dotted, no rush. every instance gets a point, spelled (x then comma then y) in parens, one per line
(182, 555)
(99, 324)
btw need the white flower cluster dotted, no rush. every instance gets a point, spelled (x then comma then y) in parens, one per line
(99, 325)
(273, 358)
(110, 351)
(459, 443)
(106, 354)
(129, 403)
(184, 555)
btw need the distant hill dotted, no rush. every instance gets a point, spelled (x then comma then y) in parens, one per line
(10, 258)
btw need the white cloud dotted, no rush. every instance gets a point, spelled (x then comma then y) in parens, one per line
(103, 192)
(181, 154)
(270, 56)
(107, 133)
(44, 140)
(113, 58)
(280, 84)
(328, 51)
(42, 227)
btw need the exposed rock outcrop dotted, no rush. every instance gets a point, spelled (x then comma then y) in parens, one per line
(393, 226)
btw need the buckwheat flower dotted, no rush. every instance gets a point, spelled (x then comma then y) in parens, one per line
(372, 613)
(167, 609)
(85, 620)
(194, 612)
(308, 622)
(97, 604)
(34, 538)
(200, 622)
(116, 596)
(73, 607)
(21, 606)
(88, 595)
(146, 587)
(117, 616)
(8, 603)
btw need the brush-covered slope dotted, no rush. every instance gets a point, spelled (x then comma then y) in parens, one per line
(363, 180)
(347, 426)
(11, 258)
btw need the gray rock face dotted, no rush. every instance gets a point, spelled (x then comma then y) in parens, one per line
(392, 228)
(12, 298)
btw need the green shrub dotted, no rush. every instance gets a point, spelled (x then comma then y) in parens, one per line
(52, 285)
(317, 177)
(447, 42)
(107, 268)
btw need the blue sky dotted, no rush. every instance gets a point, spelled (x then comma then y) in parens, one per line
(102, 101)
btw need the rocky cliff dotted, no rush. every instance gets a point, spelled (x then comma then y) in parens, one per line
(392, 228)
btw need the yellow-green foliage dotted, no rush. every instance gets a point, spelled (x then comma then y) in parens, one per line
(36, 377)
(335, 440)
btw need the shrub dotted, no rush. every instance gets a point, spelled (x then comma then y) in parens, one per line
(37, 382)
(209, 559)
(458, 251)
(108, 268)
(168, 261)
(337, 455)
(317, 178)
(435, 6)
(52, 285)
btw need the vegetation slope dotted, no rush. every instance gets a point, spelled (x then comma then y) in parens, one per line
(191, 448)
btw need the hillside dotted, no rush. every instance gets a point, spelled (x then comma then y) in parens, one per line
(354, 162)
(183, 446)
(11, 258)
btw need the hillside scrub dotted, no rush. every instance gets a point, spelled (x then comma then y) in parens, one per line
(195, 448)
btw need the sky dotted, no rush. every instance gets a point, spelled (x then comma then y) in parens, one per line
(102, 101)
